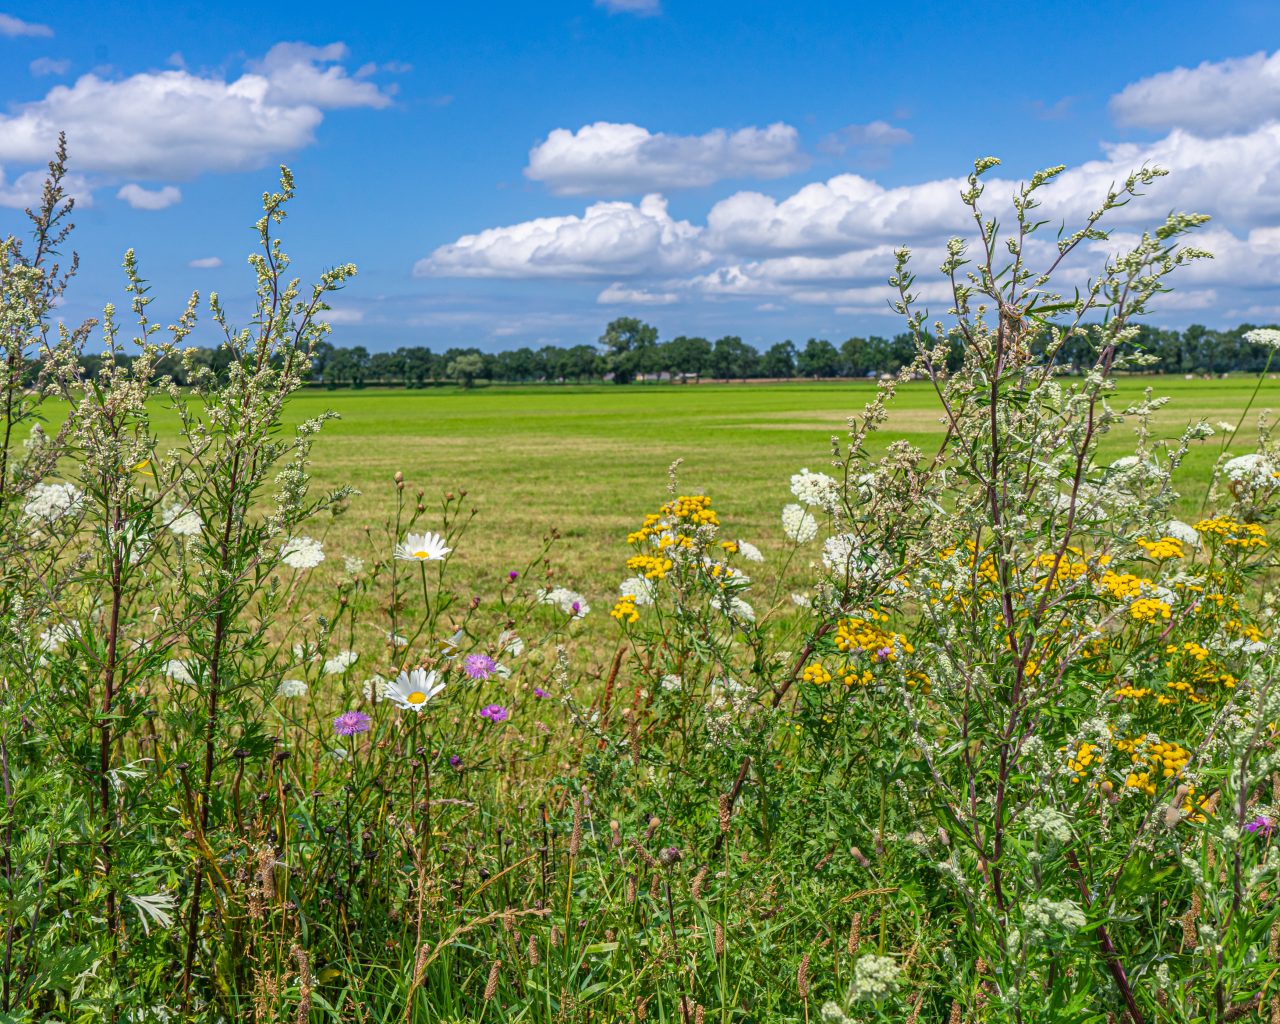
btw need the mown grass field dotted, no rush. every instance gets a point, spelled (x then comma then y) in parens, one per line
(591, 460)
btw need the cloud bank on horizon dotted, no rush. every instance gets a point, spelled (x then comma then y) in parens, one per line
(763, 223)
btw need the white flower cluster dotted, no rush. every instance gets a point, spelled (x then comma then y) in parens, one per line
(291, 688)
(798, 525)
(1250, 471)
(339, 663)
(749, 551)
(816, 489)
(874, 976)
(48, 503)
(183, 522)
(734, 607)
(1268, 336)
(1044, 915)
(302, 553)
(639, 588)
(568, 601)
(1050, 823)
(1179, 530)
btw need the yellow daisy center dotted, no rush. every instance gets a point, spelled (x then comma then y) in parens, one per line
(424, 555)
(417, 697)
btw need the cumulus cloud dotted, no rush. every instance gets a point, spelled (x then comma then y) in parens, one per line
(619, 294)
(25, 190)
(618, 159)
(49, 66)
(149, 199)
(342, 316)
(1214, 98)
(13, 27)
(176, 124)
(609, 240)
(870, 143)
(206, 263)
(644, 8)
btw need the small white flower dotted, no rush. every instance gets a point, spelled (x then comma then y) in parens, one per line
(422, 547)
(749, 551)
(874, 976)
(354, 566)
(56, 635)
(802, 600)
(671, 683)
(412, 690)
(339, 663)
(302, 553)
(798, 525)
(291, 688)
(396, 640)
(375, 686)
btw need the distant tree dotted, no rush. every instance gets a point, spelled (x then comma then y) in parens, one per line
(687, 355)
(819, 358)
(466, 368)
(779, 360)
(731, 357)
(626, 343)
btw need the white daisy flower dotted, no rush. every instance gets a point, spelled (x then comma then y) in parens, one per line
(302, 553)
(339, 663)
(291, 688)
(411, 690)
(422, 547)
(183, 522)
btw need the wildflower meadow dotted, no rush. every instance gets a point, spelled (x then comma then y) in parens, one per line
(984, 730)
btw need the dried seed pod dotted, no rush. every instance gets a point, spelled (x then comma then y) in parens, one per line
(491, 986)
(726, 812)
(802, 977)
(534, 958)
(698, 881)
(855, 934)
(719, 939)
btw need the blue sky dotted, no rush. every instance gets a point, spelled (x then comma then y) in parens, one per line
(509, 174)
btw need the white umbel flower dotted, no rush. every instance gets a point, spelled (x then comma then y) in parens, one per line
(798, 525)
(749, 551)
(1180, 531)
(815, 489)
(412, 690)
(177, 671)
(291, 688)
(339, 663)
(568, 601)
(1250, 471)
(48, 503)
(302, 553)
(639, 588)
(183, 522)
(1268, 336)
(422, 547)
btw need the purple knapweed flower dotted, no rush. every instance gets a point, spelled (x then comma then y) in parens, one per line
(576, 608)
(1261, 826)
(351, 722)
(455, 761)
(494, 712)
(538, 691)
(479, 666)
(513, 575)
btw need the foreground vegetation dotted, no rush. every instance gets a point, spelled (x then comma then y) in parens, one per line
(992, 739)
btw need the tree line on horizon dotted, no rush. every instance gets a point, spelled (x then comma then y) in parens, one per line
(630, 350)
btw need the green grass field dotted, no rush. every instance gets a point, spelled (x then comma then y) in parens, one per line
(590, 461)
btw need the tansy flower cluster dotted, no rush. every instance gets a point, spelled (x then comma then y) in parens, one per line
(1232, 532)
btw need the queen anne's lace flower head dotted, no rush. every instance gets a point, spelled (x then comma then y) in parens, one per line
(302, 553)
(568, 601)
(339, 663)
(291, 688)
(1268, 336)
(47, 503)
(183, 522)
(798, 525)
(815, 489)
(1250, 471)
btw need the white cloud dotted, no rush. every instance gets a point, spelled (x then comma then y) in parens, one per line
(13, 27)
(49, 66)
(608, 240)
(175, 124)
(206, 263)
(872, 142)
(1214, 98)
(26, 189)
(644, 8)
(620, 294)
(149, 199)
(617, 159)
(342, 316)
